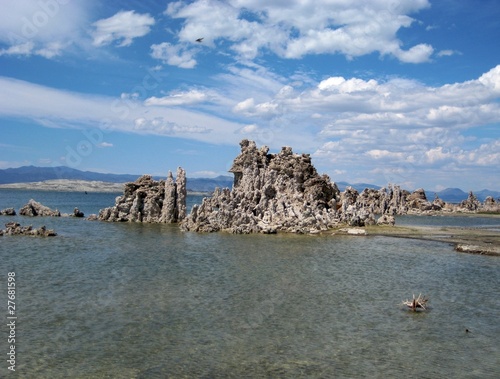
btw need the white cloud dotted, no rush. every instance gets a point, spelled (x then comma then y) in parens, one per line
(265, 110)
(381, 154)
(179, 98)
(174, 55)
(165, 126)
(21, 49)
(406, 130)
(249, 129)
(447, 53)
(436, 154)
(295, 29)
(52, 107)
(394, 130)
(491, 79)
(417, 54)
(124, 26)
(105, 144)
(340, 85)
(51, 50)
(43, 28)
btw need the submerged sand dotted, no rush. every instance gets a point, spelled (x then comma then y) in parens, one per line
(484, 241)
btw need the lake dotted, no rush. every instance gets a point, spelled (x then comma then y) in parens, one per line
(121, 300)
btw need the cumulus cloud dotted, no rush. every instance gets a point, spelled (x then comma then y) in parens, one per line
(43, 28)
(174, 55)
(295, 29)
(392, 128)
(124, 26)
(249, 108)
(341, 85)
(356, 102)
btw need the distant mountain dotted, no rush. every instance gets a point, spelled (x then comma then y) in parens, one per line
(28, 174)
(209, 184)
(450, 195)
(483, 194)
(360, 187)
(456, 195)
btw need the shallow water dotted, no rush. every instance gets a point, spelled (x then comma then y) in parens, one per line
(122, 300)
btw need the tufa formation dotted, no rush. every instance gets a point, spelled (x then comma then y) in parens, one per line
(148, 200)
(271, 193)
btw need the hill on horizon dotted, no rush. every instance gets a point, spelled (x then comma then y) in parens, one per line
(26, 174)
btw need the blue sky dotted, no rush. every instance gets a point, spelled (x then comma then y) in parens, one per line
(379, 91)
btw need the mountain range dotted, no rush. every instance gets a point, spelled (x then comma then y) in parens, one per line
(27, 174)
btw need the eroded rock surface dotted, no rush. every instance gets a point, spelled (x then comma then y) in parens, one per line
(8, 212)
(271, 193)
(33, 208)
(15, 228)
(148, 200)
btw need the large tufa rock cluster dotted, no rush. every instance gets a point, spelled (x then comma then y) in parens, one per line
(148, 200)
(271, 192)
(388, 201)
(395, 201)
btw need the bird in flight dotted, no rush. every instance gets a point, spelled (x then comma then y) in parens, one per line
(200, 39)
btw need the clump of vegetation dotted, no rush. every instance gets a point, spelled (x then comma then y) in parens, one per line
(417, 303)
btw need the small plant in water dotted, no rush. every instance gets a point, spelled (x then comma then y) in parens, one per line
(417, 303)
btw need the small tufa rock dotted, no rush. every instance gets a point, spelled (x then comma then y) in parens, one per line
(386, 220)
(78, 213)
(8, 212)
(15, 228)
(354, 231)
(33, 208)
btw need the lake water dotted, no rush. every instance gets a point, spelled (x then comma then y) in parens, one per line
(120, 300)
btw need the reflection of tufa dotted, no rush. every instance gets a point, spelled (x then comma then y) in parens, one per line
(199, 39)
(416, 304)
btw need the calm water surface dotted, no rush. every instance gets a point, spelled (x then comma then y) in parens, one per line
(104, 300)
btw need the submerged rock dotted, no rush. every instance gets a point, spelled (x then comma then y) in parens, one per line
(8, 212)
(78, 213)
(148, 200)
(15, 228)
(33, 208)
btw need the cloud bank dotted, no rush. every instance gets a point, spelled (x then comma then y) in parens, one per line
(294, 29)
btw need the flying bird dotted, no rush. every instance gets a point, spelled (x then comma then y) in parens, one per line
(200, 39)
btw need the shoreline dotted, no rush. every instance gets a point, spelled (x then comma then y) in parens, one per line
(466, 240)
(67, 185)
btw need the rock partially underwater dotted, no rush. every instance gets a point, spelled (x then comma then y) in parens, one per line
(271, 193)
(148, 200)
(15, 228)
(33, 209)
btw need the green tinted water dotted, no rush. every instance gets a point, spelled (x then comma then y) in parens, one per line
(105, 300)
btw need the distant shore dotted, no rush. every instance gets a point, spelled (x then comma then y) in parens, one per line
(69, 185)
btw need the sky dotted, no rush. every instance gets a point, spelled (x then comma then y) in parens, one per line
(404, 92)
